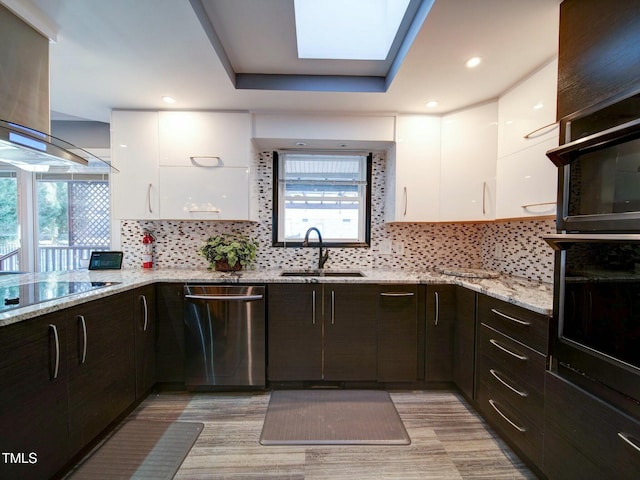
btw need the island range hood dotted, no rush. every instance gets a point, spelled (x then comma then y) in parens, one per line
(24, 104)
(35, 151)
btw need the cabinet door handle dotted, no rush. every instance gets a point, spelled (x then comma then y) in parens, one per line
(437, 299)
(512, 423)
(84, 338)
(506, 350)
(538, 132)
(396, 294)
(313, 307)
(509, 317)
(539, 204)
(196, 161)
(333, 307)
(149, 198)
(484, 196)
(406, 200)
(56, 366)
(497, 376)
(145, 312)
(630, 441)
(204, 210)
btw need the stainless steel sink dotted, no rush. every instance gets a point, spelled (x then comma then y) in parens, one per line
(321, 273)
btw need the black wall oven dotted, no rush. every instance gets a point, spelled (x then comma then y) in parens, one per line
(599, 169)
(597, 259)
(597, 308)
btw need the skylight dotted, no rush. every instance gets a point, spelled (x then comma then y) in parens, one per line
(347, 29)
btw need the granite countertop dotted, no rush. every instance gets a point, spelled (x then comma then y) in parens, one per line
(535, 296)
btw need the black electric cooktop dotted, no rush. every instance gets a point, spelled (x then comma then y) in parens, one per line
(17, 296)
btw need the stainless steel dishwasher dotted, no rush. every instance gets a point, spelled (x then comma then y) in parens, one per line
(224, 336)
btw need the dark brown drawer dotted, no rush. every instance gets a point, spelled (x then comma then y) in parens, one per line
(609, 438)
(562, 461)
(523, 325)
(525, 400)
(515, 427)
(517, 361)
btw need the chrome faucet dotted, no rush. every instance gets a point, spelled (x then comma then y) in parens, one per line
(323, 257)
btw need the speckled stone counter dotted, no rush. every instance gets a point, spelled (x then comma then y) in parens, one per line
(534, 296)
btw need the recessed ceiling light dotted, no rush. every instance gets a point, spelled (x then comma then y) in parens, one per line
(473, 62)
(431, 104)
(168, 99)
(538, 106)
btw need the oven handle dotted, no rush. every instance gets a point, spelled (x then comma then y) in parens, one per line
(629, 440)
(225, 298)
(563, 154)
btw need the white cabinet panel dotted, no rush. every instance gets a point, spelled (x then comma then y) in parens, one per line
(414, 194)
(134, 152)
(468, 164)
(213, 138)
(325, 127)
(190, 193)
(527, 183)
(529, 106)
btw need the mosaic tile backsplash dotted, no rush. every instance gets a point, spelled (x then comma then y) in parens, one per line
(511, 247)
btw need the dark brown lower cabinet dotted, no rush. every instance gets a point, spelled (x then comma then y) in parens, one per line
(464, 342)
(350, 333)
(397, 333)
(101, 365)
(170, 334)
(322, 332)
(33, 398)
(64, 378)
(294, 332)
(144, 317)
(586, 438)
(511, 359)
(440, 327)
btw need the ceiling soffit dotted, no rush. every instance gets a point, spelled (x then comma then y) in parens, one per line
(256, 44)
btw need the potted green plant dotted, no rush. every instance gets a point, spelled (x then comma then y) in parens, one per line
(229, 251)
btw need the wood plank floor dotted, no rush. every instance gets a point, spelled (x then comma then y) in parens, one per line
(448, 441)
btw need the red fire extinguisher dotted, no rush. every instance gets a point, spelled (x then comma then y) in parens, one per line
(147, 256)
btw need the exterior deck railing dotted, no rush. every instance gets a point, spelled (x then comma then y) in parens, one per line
(52, 258)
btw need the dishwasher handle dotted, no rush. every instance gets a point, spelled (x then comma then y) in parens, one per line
(225, 298)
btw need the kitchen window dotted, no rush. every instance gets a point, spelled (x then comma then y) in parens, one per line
(326, 190)
(9, 221)
(51, 221)
(73, 219)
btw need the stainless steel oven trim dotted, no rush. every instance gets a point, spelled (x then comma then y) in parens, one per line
(561, 241)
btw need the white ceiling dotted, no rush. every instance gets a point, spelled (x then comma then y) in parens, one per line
(129, 53)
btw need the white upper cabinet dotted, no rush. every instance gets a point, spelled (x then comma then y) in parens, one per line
(527, 183)
(526, 178)
(204, 193)
(134, 152)
(413, 182)
(205, 139)
(181, 166)
(527, 112)
(468, 164)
